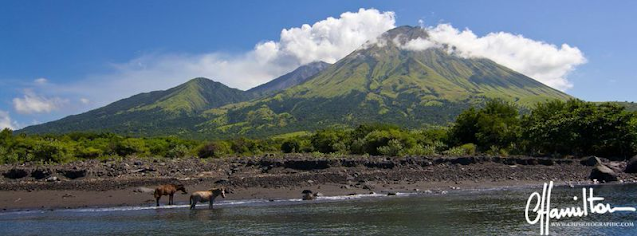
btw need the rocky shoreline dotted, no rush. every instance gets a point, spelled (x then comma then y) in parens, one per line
(247, 177)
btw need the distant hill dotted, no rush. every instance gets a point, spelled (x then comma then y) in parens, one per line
(176, 111)
(295, 77)
(376, 83)
(172, 111)
(630, 106)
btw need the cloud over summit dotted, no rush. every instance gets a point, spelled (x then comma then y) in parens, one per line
(542, 61)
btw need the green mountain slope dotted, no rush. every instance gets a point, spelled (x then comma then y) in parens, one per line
(295, 77)
(382, 83)
(176, 111)
(172, 111)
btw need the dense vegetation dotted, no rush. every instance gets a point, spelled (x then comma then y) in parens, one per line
(555, 128)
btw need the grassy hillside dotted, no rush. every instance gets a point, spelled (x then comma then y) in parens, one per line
(298, 76)
(174, 111)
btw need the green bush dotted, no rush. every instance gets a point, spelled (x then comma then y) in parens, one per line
(131, 146)
(89, 152)
(290, 146)
(469, 148)
(244, 146)
(420, 150)
(498, 124)
(463, 150)
(394, 148)
(380, 138)
(580, 128)
(330, 140)
(213, 149)
(52, 151)
(178, 151)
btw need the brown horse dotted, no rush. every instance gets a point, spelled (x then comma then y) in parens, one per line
(170, 190)
(206, 196)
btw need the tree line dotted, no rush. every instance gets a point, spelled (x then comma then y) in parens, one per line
(558, 129)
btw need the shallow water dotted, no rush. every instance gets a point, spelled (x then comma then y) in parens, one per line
(484, 212)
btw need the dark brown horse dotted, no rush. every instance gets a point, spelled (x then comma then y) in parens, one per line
(170, 190)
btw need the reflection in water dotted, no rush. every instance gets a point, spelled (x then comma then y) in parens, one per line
(494, 212)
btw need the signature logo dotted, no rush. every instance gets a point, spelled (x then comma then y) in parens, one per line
(541, 206)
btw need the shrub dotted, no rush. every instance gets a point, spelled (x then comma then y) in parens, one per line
(131, 146)
(89, 152)
(52, 151)
(394, 148)
(463, 150)
(580, 128)
(245, 146)
(469, 148)
(290, 146)
(495, 124)
(178, 151)
(420, 150)
(379, 138)
(213, 149)
(329, 140)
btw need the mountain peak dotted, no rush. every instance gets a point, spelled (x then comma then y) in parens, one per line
(199, 80)
(404, 33)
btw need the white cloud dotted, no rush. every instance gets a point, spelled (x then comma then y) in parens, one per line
(85, 101)
(5, 121)
(32, 103)
(40, 81)
(417, 44)
(542, 61)
(328, 40)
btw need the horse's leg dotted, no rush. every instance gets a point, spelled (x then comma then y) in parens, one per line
(170, 200)
(192, 203)
(157, 200)
(211, 200)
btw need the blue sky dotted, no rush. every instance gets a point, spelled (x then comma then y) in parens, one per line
(107, 45)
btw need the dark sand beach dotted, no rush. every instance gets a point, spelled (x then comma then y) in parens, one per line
(131, 182)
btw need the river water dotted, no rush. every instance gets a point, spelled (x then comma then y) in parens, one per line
(464, 212)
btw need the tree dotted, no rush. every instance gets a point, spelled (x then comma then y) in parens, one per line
(330, 140)
(497, 124)
(213, 149)
(580, 128)
(290, 146)
(6, 137)
(130, 146)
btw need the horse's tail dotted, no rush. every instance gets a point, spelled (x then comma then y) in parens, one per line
(156, 193)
